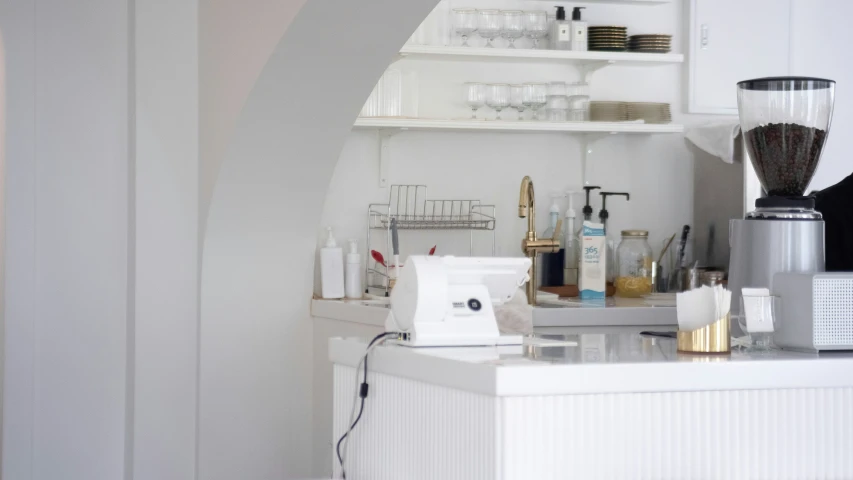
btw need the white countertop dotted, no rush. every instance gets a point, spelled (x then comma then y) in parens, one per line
(624, 362)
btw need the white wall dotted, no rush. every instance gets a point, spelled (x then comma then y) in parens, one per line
(256, 384)
(2, 229)
(67, 225)
(166, 237)
(820, 40)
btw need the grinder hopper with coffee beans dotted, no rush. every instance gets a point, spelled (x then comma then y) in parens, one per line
(785, 121)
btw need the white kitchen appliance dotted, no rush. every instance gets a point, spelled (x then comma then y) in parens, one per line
(816, 311)
(448, 301)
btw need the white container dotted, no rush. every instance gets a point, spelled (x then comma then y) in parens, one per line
(352, 282)
(332, 268)
(593, 262)
(579, 28)
(560, 37)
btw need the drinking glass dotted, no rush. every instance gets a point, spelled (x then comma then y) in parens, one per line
(516, 99)
(764, 311)
(513, 26)
(498, 97)
(490, 25)
(475, 97)
(464, 23)
(534, 96)
(536, 26)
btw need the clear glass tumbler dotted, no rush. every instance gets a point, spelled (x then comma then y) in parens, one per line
(490, 25)
(513, 26)
(464, 23)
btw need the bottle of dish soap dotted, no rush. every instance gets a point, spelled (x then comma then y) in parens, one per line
(561, 33)
(332, 268)
(579, 43)
(353, 271)
(571, 245)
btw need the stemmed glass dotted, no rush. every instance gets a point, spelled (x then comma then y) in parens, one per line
(516, 99)
(498, 97)
(535, 96)
(490, 25)
(464, 23)
(513, 26)
(535, 26)
(475, 97)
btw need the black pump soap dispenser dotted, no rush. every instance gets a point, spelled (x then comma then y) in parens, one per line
(579, 27)
(561, 33)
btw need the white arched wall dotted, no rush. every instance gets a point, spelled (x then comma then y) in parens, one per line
(2, 224)
(257, 264)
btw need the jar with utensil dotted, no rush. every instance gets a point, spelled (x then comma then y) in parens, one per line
(634, 257)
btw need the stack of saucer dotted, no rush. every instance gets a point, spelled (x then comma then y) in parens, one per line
(607, 38)
(649, 112)
(650, 43)
(608, 111)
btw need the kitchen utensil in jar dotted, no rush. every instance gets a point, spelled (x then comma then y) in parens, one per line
(516, 99)
(536, 26)
(513, 26)
(497, 97)
(489, 25)
(464, 23)
(535, 96)
(475, 97)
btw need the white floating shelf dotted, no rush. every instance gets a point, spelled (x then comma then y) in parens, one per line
(432, 124)
(529, 54)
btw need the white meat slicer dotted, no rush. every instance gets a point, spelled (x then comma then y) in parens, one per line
(448, 301)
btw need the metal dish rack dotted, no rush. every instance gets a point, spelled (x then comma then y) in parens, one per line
(413, 210)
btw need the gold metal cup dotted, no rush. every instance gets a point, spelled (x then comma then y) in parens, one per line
(715, 338)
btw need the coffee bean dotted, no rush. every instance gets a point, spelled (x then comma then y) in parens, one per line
(785, 156)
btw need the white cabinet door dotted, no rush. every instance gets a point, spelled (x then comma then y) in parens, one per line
(733, 40)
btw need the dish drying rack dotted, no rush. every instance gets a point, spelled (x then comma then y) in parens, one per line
(413, 210)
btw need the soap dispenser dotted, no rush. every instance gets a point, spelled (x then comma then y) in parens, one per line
(578, 27)
(561, 35)
(603, 216)
(553, 216)
(332, 268)
(571, 246)
(552, 263)
(353, 271)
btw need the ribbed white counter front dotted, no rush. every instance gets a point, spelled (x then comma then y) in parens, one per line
(613, 406)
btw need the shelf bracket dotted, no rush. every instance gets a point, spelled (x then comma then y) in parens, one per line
(587, 142)
(385, 135)
(587, 69)
(397, 57)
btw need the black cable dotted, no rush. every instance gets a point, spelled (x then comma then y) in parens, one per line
(362, 393)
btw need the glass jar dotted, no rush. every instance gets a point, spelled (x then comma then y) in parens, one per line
(634, 258)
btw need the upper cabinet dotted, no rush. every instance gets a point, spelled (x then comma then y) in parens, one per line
(734, 40)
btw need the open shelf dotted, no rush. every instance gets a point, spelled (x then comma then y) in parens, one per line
(529, 54)
(434, 124)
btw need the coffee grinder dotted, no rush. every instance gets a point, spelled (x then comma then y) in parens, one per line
(785, 122)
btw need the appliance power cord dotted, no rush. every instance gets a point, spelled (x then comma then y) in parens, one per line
(361, 391)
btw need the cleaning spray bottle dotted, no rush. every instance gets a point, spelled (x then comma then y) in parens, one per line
(571, 245)
(552, 263)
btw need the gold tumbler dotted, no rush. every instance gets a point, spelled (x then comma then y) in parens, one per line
(714, 338)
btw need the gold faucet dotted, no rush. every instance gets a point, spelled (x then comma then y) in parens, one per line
(531, 245)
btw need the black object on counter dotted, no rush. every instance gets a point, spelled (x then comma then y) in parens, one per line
(552, 268)
(587, 209)
(834, 203)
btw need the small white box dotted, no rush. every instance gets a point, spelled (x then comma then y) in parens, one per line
(816, 311)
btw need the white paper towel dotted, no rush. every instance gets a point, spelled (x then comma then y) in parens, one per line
(717, 138)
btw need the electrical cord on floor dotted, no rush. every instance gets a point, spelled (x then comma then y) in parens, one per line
(361, 392)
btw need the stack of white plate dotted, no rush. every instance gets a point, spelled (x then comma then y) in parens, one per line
(608, 111)
(649, 112)
(650, 43)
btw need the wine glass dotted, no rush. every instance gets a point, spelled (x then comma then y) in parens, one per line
(475, 97)
(536, 26)
(535, 96)
(490, 25)
(516, 99)
(498, 97)
(513, 26)
(464, 23)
